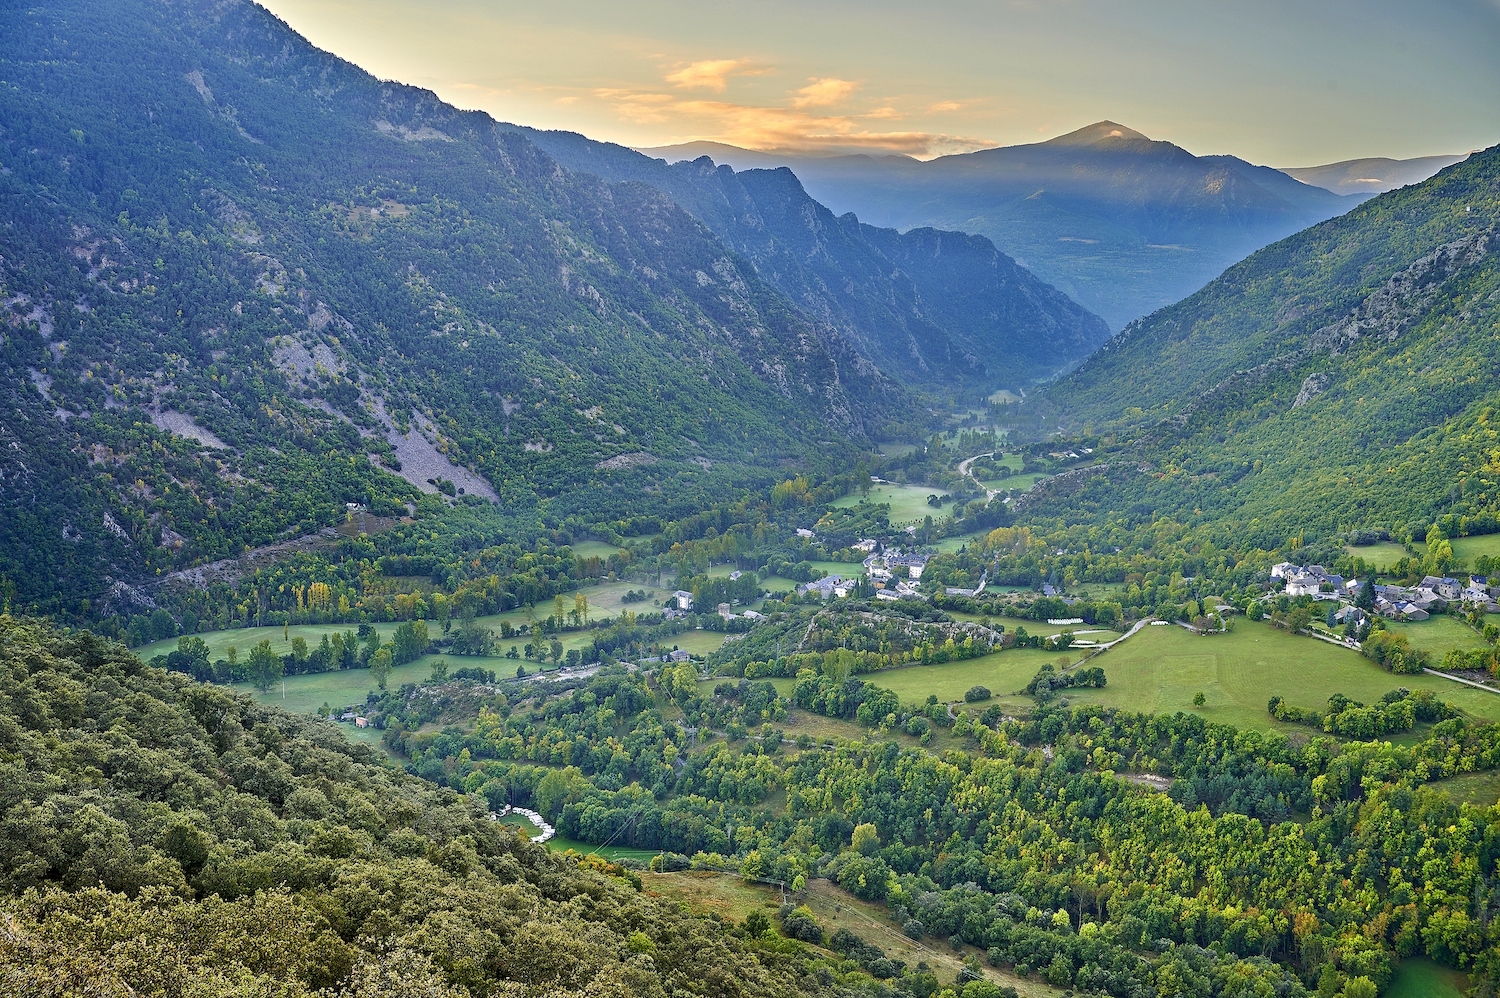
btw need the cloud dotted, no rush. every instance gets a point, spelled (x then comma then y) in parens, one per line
(945, 105)
(824, 93)
(708, 74)
(787, 129)
(884, 112)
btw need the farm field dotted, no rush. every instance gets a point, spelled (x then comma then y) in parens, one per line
(896, 449)
(908, 502)
(305, 694)
(1385, 554)
(1469, 548)
(1161, 668)
(1437, 635)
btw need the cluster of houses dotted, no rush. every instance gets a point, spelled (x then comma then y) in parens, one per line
(882, 566)
(1432, 595)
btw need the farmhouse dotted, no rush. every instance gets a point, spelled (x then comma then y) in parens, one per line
(684, 599)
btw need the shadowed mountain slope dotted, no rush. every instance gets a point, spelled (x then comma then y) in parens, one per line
(934, 308)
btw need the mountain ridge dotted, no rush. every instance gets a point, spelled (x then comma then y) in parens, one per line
(1122, 223)
(997, 327)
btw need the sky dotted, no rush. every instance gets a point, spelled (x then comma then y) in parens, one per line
(1278, 82)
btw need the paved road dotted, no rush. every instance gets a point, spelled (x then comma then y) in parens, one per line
(1459, 679)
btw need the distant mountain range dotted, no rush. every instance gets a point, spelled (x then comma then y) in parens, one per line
(937, 309)
(1346, 376)
(1121, 223)
(1375, 175)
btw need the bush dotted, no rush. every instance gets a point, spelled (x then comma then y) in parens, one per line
(799, 923)
(977, 693)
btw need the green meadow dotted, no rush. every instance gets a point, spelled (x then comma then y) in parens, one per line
(1382, 555)
(1161, 669)
(908, 502)
(1469, 548)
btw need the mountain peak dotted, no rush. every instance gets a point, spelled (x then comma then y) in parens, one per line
(1099, 131)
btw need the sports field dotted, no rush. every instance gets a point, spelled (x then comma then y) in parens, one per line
(908, 502)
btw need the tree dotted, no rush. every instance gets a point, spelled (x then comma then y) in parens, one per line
(581, 609)
(555, 650)
(1199, 699)
(866, 839)
(380, 665)
(264, 666)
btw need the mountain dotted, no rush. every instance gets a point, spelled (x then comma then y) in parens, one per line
(1345, 376)
(245, 283)
(939, 309)
(1374, 175)
(1121, 223)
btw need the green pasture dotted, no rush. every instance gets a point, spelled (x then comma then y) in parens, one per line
(908, 502)
(1002, 672)
(896, 449)
(1419, 977)
(1162, 668)
(1469, 548)
(1437, 634)
(1382, 555)
(1023, 482)
(595, 549)
(843, 569)
(948, 545)
(697, 642)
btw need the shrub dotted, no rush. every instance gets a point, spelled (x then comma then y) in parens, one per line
(977, 693)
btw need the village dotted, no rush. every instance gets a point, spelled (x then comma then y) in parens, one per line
(1431, 595)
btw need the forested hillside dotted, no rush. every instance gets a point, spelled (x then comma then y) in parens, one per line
(244, 284)
(944, 310)
(162, 837)
(1344, 377)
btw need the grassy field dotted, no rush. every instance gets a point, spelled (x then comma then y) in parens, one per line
(1438, 634)
(1382, 555)
(948, 545)
(1003, 672)
(520, 822)
(594, 549)
(834, 909)
(1023, 482)
(897, 450)
(1419, 977)
(908, 502)
(1470, 548)
(1475, 788)
(1161, 668)
(561, 844)
(843, 569)
(245, 638)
